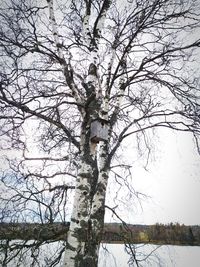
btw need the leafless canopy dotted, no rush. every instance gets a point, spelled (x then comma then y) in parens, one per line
(145, 58)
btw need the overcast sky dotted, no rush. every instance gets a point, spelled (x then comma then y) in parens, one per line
(173, 181)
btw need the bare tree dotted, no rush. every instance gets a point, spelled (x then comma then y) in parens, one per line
(77, 79)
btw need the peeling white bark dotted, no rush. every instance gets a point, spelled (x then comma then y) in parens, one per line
(86, 30)
(70, 254)
(58, 45)
(54, 28)
(101, 22)
(83, 210)
(94, 80)
(80, 213)
(110, 64)
(104, 108)
(88, 41)
(99, 197)
(120, 93)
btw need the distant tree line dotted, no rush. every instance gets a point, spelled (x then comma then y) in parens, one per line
(174, 234)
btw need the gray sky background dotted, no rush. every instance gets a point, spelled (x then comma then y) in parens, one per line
(172, 182)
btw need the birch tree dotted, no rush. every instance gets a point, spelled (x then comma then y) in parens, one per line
(129, 66)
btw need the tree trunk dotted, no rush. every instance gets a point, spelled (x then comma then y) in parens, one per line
(87, 220)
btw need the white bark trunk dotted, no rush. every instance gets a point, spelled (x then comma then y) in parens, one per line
(54, 28)
(88, 215)
(80, 216)
(88, 209)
